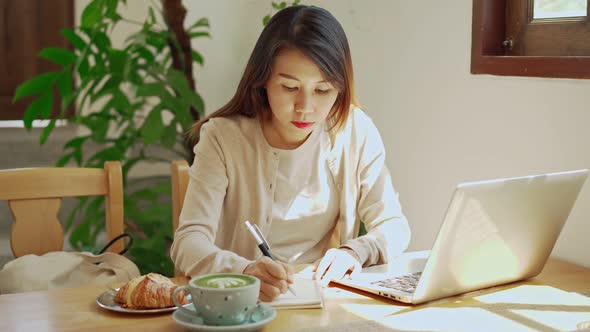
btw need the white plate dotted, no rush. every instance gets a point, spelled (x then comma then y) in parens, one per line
(107, 300)
(262, 316)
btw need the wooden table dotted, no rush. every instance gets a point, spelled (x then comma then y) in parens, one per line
(556, 291)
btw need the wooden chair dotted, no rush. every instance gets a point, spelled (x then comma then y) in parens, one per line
(34, 196)
(179, 170)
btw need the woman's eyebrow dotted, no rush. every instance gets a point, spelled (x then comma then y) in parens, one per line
(291, 77)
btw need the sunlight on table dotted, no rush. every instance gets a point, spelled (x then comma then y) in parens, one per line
(559, 320)
(372, 311)
(452, 319)
(536, 295)
(545, 305)
(522, 308)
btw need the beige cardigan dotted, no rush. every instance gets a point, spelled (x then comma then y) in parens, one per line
(232, 180)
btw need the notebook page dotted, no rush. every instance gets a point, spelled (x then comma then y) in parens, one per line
(309, 295)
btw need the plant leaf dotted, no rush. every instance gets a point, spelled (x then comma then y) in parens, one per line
(265, 20)
(65, 102)
(202, 22)
(156, 39)
(98, 123)
(61, 56)
(73, 37)
(64, 84)
(151, 89)
(63, 160)
(152, 16)
(117, 60)
(178, 81)
(199, 34)
(183, 116)
(111, 11)
(197, 102)
(197, 57)
(153, 126)
(110, 153)
(119, 102)
(46, 131)
(87, 89)
(78, 156)
(144, 53)
(83, 68)
(109, 87)
(92, 14)
(137, 38)
(36, 85)
(169, 135)
(98, 71)
(102, 41)
(40, 108)
(76, 143)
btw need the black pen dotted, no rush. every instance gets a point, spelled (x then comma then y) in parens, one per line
(263, 245)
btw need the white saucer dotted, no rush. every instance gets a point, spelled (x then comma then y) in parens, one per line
(262, 316)
(107, 301)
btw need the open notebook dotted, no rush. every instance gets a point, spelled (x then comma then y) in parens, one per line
(309, 296)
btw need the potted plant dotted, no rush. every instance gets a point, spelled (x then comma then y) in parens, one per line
(134, 104)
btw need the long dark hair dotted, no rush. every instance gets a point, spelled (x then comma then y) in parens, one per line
(311, 30)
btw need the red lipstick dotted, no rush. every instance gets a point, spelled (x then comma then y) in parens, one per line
(301, 125)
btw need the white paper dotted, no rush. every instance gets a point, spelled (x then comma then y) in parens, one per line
(309, 295)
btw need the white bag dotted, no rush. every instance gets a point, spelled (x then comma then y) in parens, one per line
(63, 269)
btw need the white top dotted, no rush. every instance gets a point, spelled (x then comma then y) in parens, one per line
(305, 198)
(235, 177)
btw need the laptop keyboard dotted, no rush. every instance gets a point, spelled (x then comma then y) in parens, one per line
(405, 283)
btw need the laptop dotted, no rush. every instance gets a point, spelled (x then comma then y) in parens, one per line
(494, 232)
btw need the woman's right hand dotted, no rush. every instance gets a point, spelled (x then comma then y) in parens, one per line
(274, 277)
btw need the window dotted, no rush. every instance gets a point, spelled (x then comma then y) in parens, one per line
(559, 8)
(542, 38)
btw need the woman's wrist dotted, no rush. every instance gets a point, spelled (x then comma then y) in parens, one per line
(351, 253)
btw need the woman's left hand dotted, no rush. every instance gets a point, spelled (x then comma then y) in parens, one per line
(336, 264)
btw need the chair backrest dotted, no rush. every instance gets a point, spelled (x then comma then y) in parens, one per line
(34, 197)
(179, 170)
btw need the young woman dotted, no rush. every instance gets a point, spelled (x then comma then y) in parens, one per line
(292, 153)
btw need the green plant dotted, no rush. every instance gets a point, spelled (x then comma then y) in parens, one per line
(138, 96)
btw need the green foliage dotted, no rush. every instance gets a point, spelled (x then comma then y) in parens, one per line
(278, 6)
(128, 91)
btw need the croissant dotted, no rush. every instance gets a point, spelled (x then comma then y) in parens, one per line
(149, 291)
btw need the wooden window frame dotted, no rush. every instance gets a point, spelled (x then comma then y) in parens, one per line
(564, 36)
(487, 53)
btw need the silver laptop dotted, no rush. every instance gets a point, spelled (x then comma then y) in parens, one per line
(494, 232)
